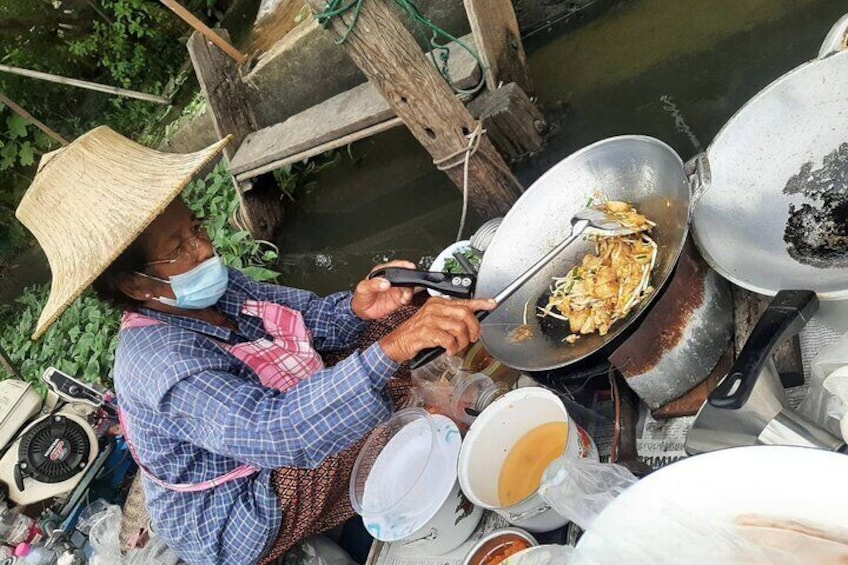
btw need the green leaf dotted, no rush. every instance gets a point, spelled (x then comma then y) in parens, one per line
(261, 274)
(25, 154)
(17, 126)
(8, 156)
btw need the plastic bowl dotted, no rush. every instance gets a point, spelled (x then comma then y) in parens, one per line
(414, 427)
(404, 473)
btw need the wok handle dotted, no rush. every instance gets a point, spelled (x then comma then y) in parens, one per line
(432, 353)
(785, 316)
(458, 285)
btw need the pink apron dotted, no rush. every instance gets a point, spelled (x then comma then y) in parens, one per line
(281, 363)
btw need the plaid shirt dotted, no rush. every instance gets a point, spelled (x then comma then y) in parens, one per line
(196, 412)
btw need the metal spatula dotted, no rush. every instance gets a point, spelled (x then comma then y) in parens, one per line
(588, 221)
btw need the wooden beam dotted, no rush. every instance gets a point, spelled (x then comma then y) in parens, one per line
(222, 44)
(85, 84)
(260, 211)
(499, 46)
(513, 122)
(223, 89)
(313, 151)
(392, 60)
(29, 117)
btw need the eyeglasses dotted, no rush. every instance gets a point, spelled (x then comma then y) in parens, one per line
(185, 252)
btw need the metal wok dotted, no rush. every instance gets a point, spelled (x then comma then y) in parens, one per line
(636, 169)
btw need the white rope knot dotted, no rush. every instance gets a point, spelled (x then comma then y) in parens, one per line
(451, 161)
(466, 152)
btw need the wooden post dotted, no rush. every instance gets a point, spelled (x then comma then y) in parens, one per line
(85, 84)
(225, 92)
(391, 59)
(512, 121)
(498, 40)
(27, 116)
(223, 44)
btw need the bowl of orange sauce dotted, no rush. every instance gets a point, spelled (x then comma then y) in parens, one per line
(498, 546)
(508, 448)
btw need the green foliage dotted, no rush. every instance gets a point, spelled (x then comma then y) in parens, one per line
(82, 341)
(21, 146)
(20, 141)
(298, 179)
(136, 44)
(139, 50)
(214, 200)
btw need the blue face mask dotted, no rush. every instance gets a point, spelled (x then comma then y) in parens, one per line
(198, 288)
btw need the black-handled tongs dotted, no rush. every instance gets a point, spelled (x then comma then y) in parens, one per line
(456, 285)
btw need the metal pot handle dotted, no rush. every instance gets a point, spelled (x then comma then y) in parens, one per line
(786, 315)
(698, 172)
(527, 514)
(836, 39)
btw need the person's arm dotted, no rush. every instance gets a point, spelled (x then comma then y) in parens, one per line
(253, 424)
(330, 319)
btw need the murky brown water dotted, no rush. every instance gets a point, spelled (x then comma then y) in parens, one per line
(665, 68)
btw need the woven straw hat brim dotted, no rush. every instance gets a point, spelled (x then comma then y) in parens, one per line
(90, 200)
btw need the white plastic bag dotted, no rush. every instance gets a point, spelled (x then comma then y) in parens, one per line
(104, 540)
(104, 536)
(542, 555)
(580, 489)
(671, 533)
(824, 403)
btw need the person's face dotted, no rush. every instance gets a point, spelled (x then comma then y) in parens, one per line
(176, 242)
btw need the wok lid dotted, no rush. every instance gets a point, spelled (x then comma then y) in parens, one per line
(775, 215)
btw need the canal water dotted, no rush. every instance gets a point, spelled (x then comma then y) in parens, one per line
(673, 69)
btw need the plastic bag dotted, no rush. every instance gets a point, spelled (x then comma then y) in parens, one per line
(318, 550)
(90, 514)
(822, 406)
(104, 538)
(670, 533)
(580, 489)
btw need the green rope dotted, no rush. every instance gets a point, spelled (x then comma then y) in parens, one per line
(338, 8)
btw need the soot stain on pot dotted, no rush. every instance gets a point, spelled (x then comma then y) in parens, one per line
(676, 309)
(816, 233)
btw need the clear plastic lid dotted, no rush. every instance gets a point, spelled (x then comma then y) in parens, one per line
(404, 473)
(392, 462)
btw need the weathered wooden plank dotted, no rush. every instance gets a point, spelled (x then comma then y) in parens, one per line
(389, 56)
(224, 90)
(360, 109)
(220, 81)
(495, 28)
(341, 115)
(335, 143)
(513, 123)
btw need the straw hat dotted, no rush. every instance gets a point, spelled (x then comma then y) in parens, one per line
(90, 200)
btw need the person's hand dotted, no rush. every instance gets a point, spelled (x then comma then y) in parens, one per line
(376, 298)
(450, 324)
